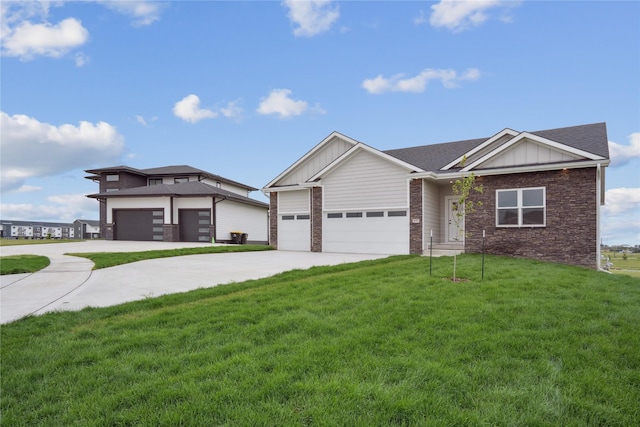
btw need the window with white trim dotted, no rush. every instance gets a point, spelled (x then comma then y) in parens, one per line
(521, 207)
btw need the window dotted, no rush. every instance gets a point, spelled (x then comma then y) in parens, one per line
(113, 178)
(181, 179)
(334, 215)
(375, 214)
(397, 213)
(354, 214)
(303, 217)
(523, 207)
(288, 217)
(155, 181)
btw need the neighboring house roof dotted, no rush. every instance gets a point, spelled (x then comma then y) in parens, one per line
(184, 189)
(36, 223)
(167, 171)
(91, 222)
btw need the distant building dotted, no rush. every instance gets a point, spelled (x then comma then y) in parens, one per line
(79, 229)
(87, 228)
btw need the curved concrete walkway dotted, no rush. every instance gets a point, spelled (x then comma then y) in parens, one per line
(70, 284)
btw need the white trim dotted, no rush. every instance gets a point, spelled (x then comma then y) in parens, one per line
(516, 169)
(488, 142)
(311, 153)
(353, 151)
(544, 141)
(598, 199)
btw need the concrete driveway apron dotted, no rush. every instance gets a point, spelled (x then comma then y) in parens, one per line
(70, 284)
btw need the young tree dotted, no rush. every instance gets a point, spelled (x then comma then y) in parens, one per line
(464, 204)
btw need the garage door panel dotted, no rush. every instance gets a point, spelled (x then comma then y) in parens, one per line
(386, 235)
(294, 234)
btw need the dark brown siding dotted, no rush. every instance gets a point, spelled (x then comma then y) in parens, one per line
(570, 233)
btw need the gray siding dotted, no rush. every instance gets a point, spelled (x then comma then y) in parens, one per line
(293, 201)
(527, 153)
(432, 207)
(366, 181)
(318, 161)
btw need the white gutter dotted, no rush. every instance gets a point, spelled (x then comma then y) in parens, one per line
(511, 170)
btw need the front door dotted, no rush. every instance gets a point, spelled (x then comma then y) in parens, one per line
(455, 222)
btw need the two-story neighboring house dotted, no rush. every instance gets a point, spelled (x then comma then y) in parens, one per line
(176, 203)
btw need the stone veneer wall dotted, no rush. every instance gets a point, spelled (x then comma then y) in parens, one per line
(171, 233)
(273, 219)
(571, 221)
(316, 219)
(415, 217)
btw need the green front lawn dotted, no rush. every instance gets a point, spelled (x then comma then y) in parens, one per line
(367, 344)
(17, 264)
(110, 259)
(22, 242)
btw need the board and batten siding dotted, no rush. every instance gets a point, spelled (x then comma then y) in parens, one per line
(314, 164)
(232, 216)
(366, 181)
(163, 203)
(293, 201)
(526, 153)
(431, 208)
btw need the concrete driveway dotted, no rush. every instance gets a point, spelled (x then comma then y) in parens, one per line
(70, 284)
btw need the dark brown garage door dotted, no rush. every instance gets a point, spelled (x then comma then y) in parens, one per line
(138, 224)
(194, 225)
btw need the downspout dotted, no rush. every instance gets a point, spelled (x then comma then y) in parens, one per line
(598, 201)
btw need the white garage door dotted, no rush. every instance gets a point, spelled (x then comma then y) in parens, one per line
(294, 232)
(379, 232)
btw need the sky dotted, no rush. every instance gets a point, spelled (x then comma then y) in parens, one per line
(244, 89)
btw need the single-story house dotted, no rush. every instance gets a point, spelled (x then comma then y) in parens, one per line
(541, 198)
(176, 204)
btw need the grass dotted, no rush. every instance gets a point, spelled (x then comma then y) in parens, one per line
(22, 242)
(629, 266)
(110, 259)
(373, 343)
(17, 264)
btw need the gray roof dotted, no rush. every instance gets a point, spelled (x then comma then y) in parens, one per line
(183, 189)
(591, 138)
(169, 171)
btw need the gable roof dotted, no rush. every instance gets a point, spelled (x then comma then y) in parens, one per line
(183, 189)
(584, 139)
(167, 171)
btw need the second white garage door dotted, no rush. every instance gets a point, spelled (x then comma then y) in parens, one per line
(379, 232)
(294, 232)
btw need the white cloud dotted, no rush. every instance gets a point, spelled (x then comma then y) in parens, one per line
(34, 149)
(621, 216)
(27, 40)
(622, 154)
(25, 31)
(63, 208)
(398, 83)
(232, 110)
(312, 17)
(188, 109)
(278, 102)
(143, 12)
(460, 15)
(28, 188)
(420, 19)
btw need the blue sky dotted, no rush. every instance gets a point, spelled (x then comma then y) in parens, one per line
(243, 89)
